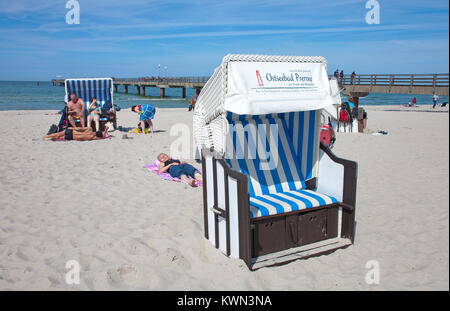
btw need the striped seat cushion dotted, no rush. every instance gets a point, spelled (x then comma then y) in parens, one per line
(287, 201)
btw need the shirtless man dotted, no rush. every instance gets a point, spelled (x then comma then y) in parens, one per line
(77, 133)
(76, 110)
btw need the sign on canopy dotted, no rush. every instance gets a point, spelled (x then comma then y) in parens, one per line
(275, 87)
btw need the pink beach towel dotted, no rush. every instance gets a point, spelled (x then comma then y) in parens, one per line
(154, 168)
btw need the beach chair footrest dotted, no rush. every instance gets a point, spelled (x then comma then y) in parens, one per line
(302, 252)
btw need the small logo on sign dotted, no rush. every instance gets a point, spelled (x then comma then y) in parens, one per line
(258, 76)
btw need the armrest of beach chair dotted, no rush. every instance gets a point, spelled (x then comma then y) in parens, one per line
(338, 177)
(225, 200)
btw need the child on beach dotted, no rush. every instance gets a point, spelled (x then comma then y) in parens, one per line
(178, 169)
(94, 112)
(146, 114)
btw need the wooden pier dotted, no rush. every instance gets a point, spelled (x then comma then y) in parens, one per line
(426, 84)
(358, 86)
(141, 84)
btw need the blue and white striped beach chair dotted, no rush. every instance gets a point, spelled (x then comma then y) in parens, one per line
(272, 192)
(100, 88)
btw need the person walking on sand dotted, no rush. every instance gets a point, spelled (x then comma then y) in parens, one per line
(341, 77)
(435, 100)
(178, 169)
(146, 114)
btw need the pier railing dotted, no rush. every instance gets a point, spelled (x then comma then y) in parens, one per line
(362, 83)
(202, 79)
(433, 80)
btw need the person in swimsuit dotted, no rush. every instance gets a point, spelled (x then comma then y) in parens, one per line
(77, 133)
(94, 111)
(75, 110)
(178, 169)
(146, 114)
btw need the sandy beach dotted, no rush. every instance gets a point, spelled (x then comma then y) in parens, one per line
(93, 202)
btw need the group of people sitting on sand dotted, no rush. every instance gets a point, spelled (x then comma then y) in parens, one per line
(76, 111)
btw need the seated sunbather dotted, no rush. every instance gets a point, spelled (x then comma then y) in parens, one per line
(178, 169)
(76, 110)
(76, 133)
(94, 112)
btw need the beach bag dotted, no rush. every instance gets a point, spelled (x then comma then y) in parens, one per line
(53, 129)
(63, 122)
(343, 116)
(327, 135)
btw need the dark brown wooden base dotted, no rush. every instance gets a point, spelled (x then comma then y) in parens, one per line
(288, 231)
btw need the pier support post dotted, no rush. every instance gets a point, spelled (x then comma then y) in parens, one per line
(115, 88)
(162, 92)
(126, 89)
(197, 92)
(143, 91)
(184, 92)
(138, 89)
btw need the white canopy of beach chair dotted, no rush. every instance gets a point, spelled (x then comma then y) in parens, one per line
(330, 113)
(261, 84)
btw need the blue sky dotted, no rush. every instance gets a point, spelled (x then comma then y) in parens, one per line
(130, 38)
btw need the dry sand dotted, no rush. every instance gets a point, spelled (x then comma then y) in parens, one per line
(94, 202)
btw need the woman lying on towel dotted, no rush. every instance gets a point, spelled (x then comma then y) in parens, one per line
(178, 169)
(77, 133)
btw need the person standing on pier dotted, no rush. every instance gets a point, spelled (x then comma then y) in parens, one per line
(353, 77)
(146, 114)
